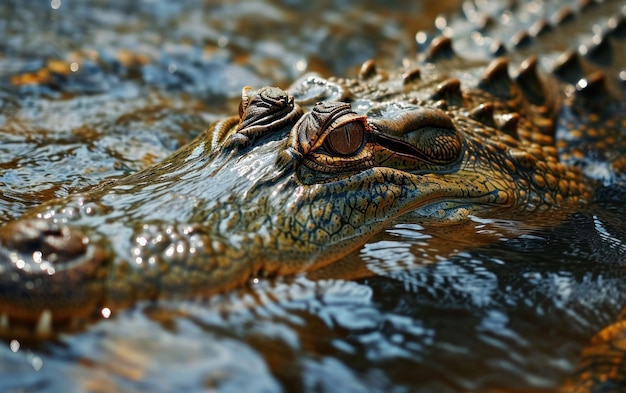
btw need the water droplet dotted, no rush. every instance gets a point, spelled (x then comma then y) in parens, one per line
(301, 65)
(222, 41)
(14, 345)
(441, 22)
(37, 256)
(37, 363)
(142, 241)
(421, 37)
(106, 312)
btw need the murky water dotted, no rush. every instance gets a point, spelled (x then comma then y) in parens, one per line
(496, 305)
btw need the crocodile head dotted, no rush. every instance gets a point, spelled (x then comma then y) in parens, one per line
(276, 190)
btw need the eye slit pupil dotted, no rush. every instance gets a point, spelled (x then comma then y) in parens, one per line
(346, 139)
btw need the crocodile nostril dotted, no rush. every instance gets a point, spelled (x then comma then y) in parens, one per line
(43, 240)
(49, 269)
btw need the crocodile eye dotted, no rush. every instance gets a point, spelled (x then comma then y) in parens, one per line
(346, 139)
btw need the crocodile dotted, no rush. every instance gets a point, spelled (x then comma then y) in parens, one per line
(302, 177)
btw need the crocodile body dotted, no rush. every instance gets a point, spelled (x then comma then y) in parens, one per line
(303, 177)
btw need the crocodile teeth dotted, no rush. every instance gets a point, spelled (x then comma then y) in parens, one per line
(44, 323)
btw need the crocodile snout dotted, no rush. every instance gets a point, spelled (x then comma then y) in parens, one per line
(42, 240)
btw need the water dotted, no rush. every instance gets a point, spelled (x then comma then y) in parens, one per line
(492, 305)
(511, 314)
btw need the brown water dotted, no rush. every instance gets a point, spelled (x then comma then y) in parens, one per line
(499, 307)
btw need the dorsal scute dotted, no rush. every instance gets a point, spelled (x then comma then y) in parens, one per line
(368, 70)
(496, 79)
(450, 91)
(592, 92)
(440, 48)
(529, 81)
(568, 67)
(484, 114)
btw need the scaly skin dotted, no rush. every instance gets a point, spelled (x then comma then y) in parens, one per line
(277, 191)
(302, 178)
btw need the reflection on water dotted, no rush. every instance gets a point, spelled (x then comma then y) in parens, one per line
(88, 95)
(513, 313)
